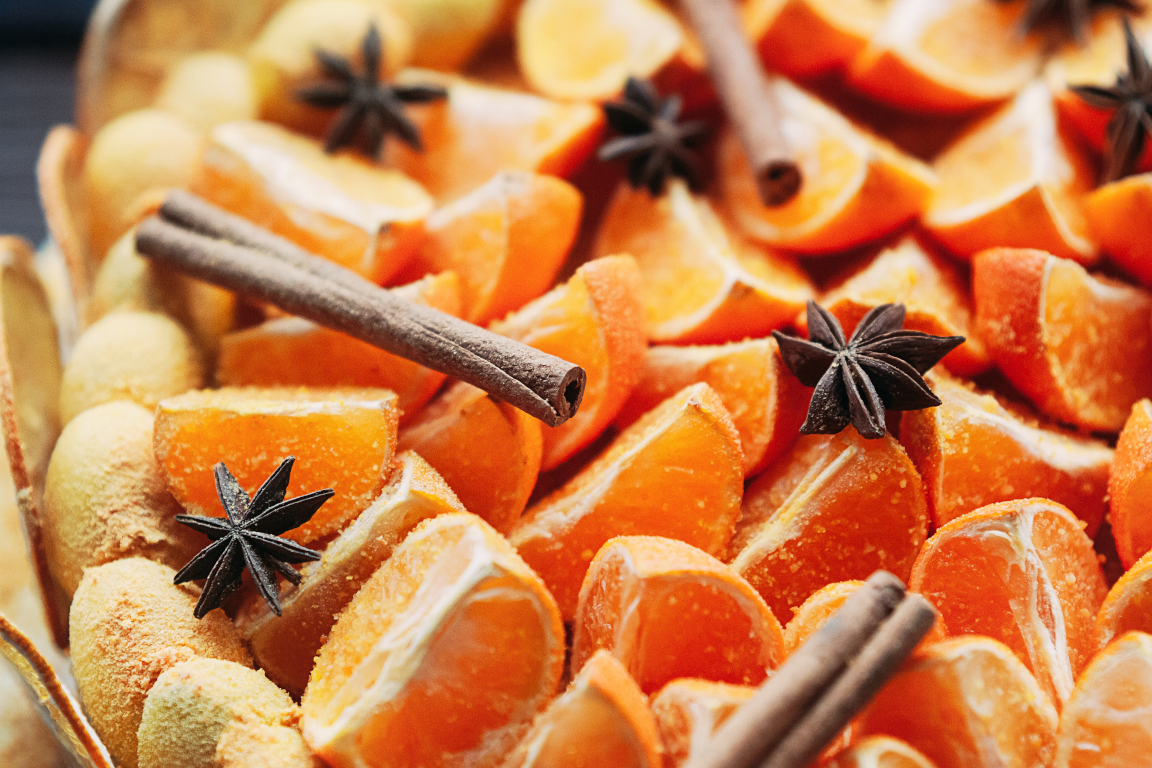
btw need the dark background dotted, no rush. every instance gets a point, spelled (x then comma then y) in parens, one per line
(39, 40)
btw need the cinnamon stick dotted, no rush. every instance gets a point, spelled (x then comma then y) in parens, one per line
(303, 284)
(761, 723)
(747, 96)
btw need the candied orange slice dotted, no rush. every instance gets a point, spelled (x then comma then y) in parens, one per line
(602, 720)
(1128, 605)
(507, 240)
(478, 131)
(881, 752)
(767, 403)
(363, 217)
(596, 321)
(967, 702)
(1024, 573)
(486, 450)
(343, 439)
(1016, 178)
(856, 187)
(1105, 722)
(665, 609)
(285, 646)
(947, 55)
(804, 38)
(701, 283)
(292, 350)
(441, 659)
(677, 472)
(688, 712)
(833, 508)
(1076, 344)
(1111, 209)
(1130, 486)
(972, 451)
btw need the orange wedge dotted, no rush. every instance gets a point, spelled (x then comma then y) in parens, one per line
(947, 55)
(486, 450)
(441, 659)
(805, 38)
(856, 187)
(881, 752)
(677, 472)
(667, 610)
(702, 284)
(1111, 209)
(688, 712)
(1128, 605)
(1016, 178)
(1130, 486)
(479, 131)
(596, 321)
(1024, 573)
(767, 403)
(967, 702)
(602, 720)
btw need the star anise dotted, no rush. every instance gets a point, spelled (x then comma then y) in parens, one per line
(1074, 15)
(1131, 97)
(247, 538)
(364, 101)
(880, 367)
(654, 143)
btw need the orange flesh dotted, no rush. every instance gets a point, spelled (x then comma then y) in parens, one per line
(1111, 209)
(880, 752)
(688, 712)
(1130, 486)
(1128, 605)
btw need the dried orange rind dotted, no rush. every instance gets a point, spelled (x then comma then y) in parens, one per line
(58, 177)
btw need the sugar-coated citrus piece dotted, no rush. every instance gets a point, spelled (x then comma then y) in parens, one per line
(479, 131)
(286, 646)
(359, 215)
(1130, 486)
(1076, 344)
(442, 658)
(666, 610)
(128, 624)
(856, 187)
(766, 402)
(934, 292)
(1016, 178)
(702, 284)
(210, 88)
(833, 508)
(1111, 209)
(689, 711)
(803, 38)
(1024, 573)
(446, 34)
(292, 350)
(1105, 722)
(253, 744)
(677, 472)
(949, 56)
(880, 752)
(595, 320)
(506, 239)
(343, 439)
(972, 451)
(602, 719)
(1128, 605)
(967, 702)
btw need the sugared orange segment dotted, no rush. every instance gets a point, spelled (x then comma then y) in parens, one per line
(341, 207)
(1016, 178)
(972, 451)
(507, 240)
(343, 439)
(688, 711)
(285, 646)
(1130, 486)
(603, 719)
(1111, 210)
(677, 472)
(1105, 723)
(702, 283)
(948, 56)
(833, 508)
(767, 403)
(441, 659)
(803, 38)
(1024, 573)
(1128, 605)
(478, 131)
(881, 752)
(967, 702)
(595, 320)
(665, 609)
(856, 187)
(292, 350)
(1076, 344)
(487, 451)
(934, 293)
